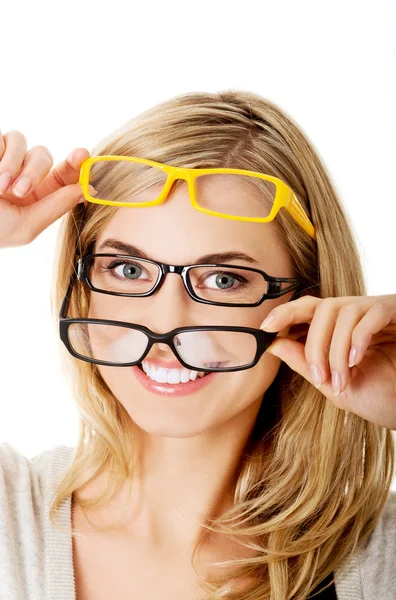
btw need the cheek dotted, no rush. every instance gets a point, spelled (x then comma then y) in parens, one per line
(257, 380)
(233, 392)
(111, 308)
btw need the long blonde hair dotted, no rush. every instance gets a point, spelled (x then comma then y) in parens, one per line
(313, 479)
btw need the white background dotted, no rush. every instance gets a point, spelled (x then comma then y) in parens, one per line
(72, 72)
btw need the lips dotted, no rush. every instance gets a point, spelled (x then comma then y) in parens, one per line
(172, 389)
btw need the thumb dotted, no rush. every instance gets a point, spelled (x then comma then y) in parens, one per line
(292, 353)
(41, 214)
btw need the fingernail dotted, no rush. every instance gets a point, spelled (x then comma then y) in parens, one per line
(267, 321)
(336, 382)
(22, 186)
(92, 190)
(352, 357)
(316, 376)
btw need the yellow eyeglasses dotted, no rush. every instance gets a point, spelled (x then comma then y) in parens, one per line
(216, 192)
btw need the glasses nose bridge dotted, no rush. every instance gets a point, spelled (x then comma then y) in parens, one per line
(160, 341)
(183, 173)
(177, 269)
(179, 173)
(172, 269)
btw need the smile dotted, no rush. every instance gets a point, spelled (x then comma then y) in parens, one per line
(165, 375)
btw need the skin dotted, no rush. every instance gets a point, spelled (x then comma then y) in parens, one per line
(189, 454)
(189, 446)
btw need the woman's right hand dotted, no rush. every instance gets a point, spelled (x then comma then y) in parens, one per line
(51, 194)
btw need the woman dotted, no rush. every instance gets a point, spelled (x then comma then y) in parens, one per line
(205, 469)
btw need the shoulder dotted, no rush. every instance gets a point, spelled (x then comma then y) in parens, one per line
(378, 557)
(371, 572)
(32, 554)
(19, 473)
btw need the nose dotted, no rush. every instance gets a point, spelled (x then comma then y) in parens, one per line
(169, 307)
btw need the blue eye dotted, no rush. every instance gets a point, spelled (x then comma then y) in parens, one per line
(223, 280)
(129, 270)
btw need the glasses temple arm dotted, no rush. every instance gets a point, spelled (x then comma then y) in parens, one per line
(66, 300)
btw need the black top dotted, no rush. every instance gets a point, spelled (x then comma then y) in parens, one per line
(329, 593)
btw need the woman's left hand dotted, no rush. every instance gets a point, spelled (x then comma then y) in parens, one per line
(336, 325)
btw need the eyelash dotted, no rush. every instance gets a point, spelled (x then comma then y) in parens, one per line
(242, 280)
(115, 264)
(239, 278)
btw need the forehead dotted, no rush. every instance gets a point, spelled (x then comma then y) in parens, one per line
(176, 233)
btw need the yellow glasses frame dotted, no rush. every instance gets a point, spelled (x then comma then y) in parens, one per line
(284, 197)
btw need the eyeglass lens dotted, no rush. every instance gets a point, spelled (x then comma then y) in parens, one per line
(198, 349)
(226, 193)
(213, 284)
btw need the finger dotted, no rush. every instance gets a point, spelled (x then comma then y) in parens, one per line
(329, 350)
(13, 146)
(378, 316)
(64, 173)
(38, 216)
(293, 354)
(291, 313)
(36, 165)
(321, 314)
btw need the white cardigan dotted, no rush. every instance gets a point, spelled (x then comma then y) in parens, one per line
(36, 560)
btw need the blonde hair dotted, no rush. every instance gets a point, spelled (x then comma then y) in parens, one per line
(313, 478)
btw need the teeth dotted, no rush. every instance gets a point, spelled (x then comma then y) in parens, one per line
(185, 376)
(162, 375)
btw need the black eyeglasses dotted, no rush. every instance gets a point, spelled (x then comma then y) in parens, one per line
(120, 344)
(217, 284)
(204, 348)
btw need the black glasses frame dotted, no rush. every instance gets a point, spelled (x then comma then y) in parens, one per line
(274, 283)
(263, 338)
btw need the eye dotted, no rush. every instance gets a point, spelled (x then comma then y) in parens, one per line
(127, 270)
(223, 280)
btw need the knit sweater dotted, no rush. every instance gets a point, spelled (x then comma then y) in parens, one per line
(36, 559)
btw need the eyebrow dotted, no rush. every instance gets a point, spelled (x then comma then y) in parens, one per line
(217, 257)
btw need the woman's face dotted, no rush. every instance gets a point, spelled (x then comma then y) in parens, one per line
(177, 234)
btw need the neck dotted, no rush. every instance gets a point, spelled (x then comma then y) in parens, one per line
(178, 483)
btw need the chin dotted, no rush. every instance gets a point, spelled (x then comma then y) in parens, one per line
(217, 398)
